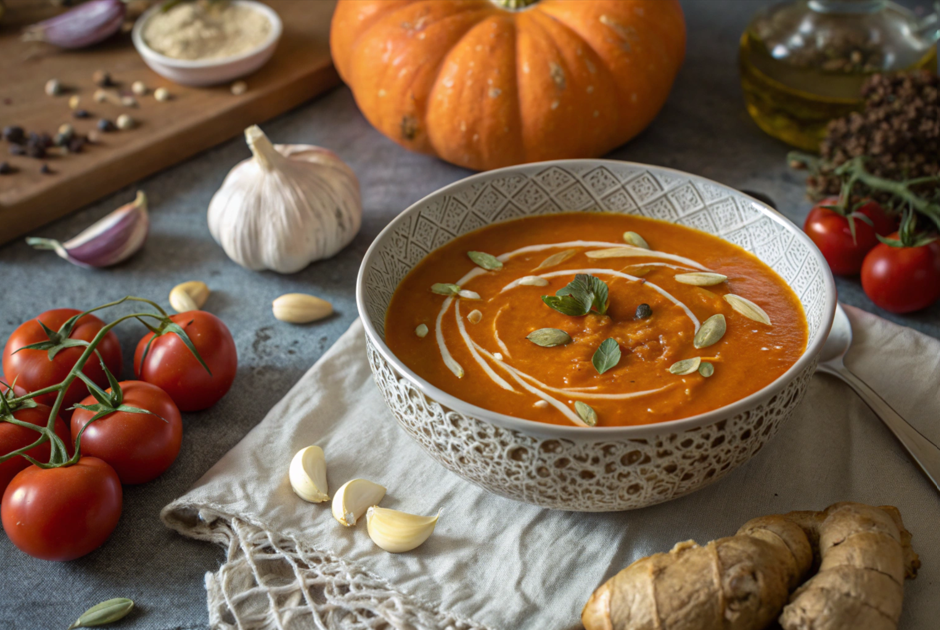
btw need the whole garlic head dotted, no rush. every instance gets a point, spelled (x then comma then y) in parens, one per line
(286, 207)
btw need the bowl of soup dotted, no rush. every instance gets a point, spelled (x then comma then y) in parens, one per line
(593, 335)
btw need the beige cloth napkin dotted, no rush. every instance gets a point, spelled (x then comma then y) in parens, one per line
(494, 563)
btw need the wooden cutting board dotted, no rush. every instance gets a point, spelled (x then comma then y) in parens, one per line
(167, 132)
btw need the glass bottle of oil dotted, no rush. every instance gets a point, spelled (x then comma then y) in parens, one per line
(803, 63)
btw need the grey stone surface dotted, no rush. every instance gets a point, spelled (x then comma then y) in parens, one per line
(703, 129)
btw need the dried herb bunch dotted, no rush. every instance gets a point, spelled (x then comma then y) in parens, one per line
(898, 134)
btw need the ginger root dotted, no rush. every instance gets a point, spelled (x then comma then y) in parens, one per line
(860, 554)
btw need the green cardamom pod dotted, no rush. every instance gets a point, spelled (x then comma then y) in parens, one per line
(104, 613)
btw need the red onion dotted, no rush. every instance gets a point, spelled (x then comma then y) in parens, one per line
(86, 24)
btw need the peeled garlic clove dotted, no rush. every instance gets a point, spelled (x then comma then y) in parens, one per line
(308, 475)
(189, 296)
(397, 532)
(300, 308)
(107, 242)
(353, 499)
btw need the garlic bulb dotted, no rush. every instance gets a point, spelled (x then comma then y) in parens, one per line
(286, 207)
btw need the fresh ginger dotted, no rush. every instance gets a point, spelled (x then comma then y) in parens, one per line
(861, 555)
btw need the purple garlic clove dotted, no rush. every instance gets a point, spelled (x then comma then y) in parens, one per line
(113, 239)
(86, 24)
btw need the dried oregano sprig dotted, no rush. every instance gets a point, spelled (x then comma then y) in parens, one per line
(106, 403)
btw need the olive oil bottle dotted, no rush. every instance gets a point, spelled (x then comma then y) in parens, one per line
(803, 63)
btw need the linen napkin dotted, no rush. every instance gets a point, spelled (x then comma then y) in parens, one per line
(497, 564)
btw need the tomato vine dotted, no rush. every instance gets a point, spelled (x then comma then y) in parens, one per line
(106, 402)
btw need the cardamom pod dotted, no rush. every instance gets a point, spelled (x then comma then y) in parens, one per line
(106, 612)
(711, 332)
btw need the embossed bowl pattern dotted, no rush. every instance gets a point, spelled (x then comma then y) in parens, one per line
(576, 468)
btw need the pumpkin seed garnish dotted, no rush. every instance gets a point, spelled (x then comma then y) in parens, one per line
(643, 311)
(701, 279)
(533, 281)
(549, 337)
(747, 308)
(469, 295)
(557, 259)
(632, 238)
(422, 330)
(606, 356)
(445, 289)
(586, 412)
(487, 261)
(686, 366)
(706, 369)
(711, 332)
(106, 612)
(475, 316)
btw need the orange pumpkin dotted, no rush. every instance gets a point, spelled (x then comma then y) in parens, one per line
(483, 85)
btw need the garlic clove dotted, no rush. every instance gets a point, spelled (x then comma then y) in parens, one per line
(397, 532)
(353, 499)
(111, 240)
(300, 308)
(189, 296)
(308, 475)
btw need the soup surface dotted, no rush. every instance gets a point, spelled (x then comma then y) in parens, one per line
(569, 319)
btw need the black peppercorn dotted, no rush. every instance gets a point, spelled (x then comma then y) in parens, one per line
(36, 151)
(76, 144)
(106, 125)
(43, 140)
(17, 149)
(5, 168)
(45, 170)
(81, 113)
(13, 134)
(643, 311)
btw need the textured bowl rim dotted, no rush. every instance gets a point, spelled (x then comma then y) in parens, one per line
(277, 28)
(576, 433)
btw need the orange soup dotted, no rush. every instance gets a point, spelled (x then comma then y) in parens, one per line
(595, 320)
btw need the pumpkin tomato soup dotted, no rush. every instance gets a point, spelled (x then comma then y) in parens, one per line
(595, 320)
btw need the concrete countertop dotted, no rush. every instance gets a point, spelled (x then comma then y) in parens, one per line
(703, 129)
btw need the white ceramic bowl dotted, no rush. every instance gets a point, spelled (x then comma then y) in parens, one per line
(576, 468)
(203, 72)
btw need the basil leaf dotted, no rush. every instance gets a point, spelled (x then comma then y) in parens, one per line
(549, 337)
(445, 289)
(567, 305)
(606, 356)
(601, 293)
(487, 261)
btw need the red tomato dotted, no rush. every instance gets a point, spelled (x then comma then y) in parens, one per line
(902, 279)
(33, 370)
(13, 437)
(62, 513)
(831, 233)
(139, 446)
(173, 368)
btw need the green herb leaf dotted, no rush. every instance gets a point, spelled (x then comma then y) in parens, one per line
(580, 296)
(606, 356)
(445, 289)
(487, 261)
(586, 412)
(549, 337)
(104, 613)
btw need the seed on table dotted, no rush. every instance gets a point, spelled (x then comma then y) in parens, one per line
(128, 101)
(239, 88)
(14, 134)
(102, 78)
(125, 122)
(81, 113)
(45, 170)
(161, 94)
(74, 101)
(105, 125)
(5, 168)
(17, 149)
(139, 88)
(53, 87)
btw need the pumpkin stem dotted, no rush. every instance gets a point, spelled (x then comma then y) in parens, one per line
(262, 149)
(514, 5)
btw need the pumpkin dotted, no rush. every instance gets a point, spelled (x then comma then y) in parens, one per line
(491, 83)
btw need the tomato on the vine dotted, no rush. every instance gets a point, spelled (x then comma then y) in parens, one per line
(62, 513)
(139, 446)
(832, 234)
(171, 366)
(33, 370)
(13, 437)
(902, 279)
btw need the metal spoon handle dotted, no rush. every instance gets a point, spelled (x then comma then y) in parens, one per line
(922, 450)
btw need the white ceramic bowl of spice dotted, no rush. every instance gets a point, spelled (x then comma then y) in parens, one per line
(203, 43)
